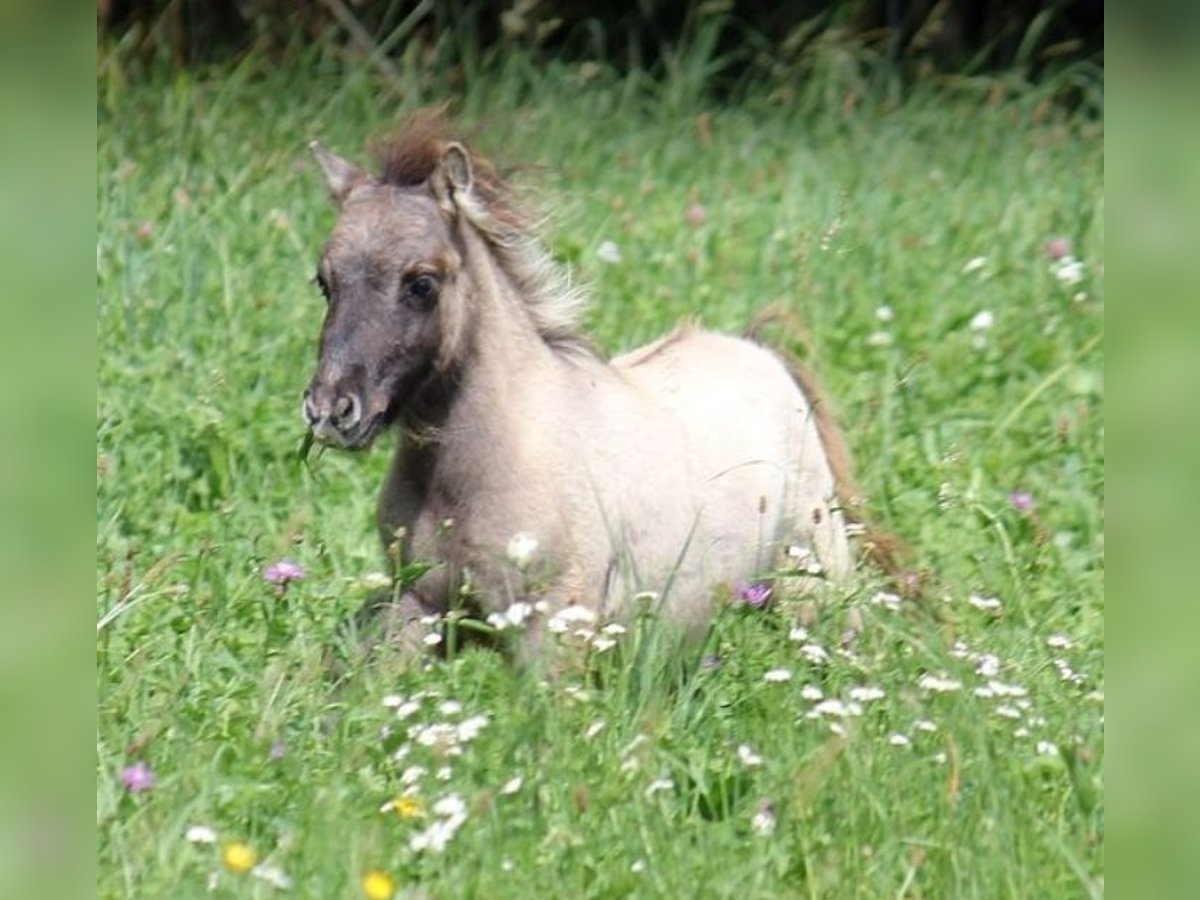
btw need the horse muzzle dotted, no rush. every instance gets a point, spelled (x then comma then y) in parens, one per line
(335, 417)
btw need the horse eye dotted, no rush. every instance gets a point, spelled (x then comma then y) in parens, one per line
(423, 290)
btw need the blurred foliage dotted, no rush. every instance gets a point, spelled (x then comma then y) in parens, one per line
(915, 38)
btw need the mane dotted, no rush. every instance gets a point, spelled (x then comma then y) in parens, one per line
(409, 156)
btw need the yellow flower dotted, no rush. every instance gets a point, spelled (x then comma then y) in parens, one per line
(379, 885)
(408, 807)
(239, 858)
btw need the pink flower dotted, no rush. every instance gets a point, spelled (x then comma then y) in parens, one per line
(755, 594)
(138, 778)
(1022, 501)
(1058, 248)
(283, 572)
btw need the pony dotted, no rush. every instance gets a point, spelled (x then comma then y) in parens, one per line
(529, 468)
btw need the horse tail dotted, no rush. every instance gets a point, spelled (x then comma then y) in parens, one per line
(882, 548)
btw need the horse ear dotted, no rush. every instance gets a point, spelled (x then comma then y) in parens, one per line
(340, 174)
(453, 175)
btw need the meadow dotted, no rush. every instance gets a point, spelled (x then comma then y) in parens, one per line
(946, 252)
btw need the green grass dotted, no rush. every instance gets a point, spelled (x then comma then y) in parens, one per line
(209, 223)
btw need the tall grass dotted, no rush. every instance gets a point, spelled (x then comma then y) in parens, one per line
(897, 231)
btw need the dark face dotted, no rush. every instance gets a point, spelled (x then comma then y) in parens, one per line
(385, 272)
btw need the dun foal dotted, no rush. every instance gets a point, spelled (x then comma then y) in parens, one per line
(529, 468)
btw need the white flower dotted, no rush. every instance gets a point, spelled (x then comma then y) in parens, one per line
(880, 339)
(521, 548)
(776, 676)
(835, 708)
(989, 665)
(798, 634)
(407, 709)
(1009, 712)
(600, 643)
(885, 314)
(432, 639)
(865, 694)
(1000, 689)
(411, 775)
(974, 264)
(443, 774)
(924, 725)
(748, 757)
(982, 320)
(659, 784)
(815, 653)
(391, 701)
(1068, 270)
(886, 599)
(273, 875)
(594, 729)
(562, 620)
(837, 728)
(609, 252)
(990, 604)
(637, 866)
(763, 821)
(1047, 748)
(450, 708)
(938, 683)
(512, 785)
(811, 692)
(899, 740)
(468, 729)
(1059, 642)
(200, 834)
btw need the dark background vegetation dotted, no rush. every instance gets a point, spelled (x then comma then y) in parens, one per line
(755, 41)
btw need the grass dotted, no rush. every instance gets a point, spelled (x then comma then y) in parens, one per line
(209, 223)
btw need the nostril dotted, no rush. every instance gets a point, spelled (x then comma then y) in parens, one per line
(345, 411)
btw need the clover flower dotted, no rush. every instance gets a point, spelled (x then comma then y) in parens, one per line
(138, 778)
(283, 573)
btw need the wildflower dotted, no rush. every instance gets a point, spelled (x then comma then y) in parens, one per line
(432, 639)
(272, 875)
(443, 774)
(924, 725)
(406, 806)
(777, 676)
(391, 701)
(815, 653)
(637, 866)
(513, 617)
(885, 314)
(451, 812)
(404, 710)
(1058, 248)
(468, 729)
(521, 548)
(1047, 748)
(601, 643)
(1068, 270)
(278, 751)
(982, 320)
(659, 784)
(594, 729)
(989, 665)
(696, 215)
(987, 604)
(512, 785)
(1021, 501)
(138, 778)
(835, 708)
(200, 834)
(939, 684)
(798, 634)
(238, 858)
(886, 599)
(375, 581)
(412, 775)
(764, 821)
(1000, 689)
(283, 572)
(1059, 642)
(562, 620)
(865, 694)
(756, 595)
(1009, 712)
(899, 740)
(378, 885)
(974, 264)
(880, 339)
(811, 692)
(613, 628)
(748, 757)
(609, 252)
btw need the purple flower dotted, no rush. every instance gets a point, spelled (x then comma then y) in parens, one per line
(138, 778)
(283, 572)
(278, 750)
(1058, 248)
(1022, 501)
(756, 594)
